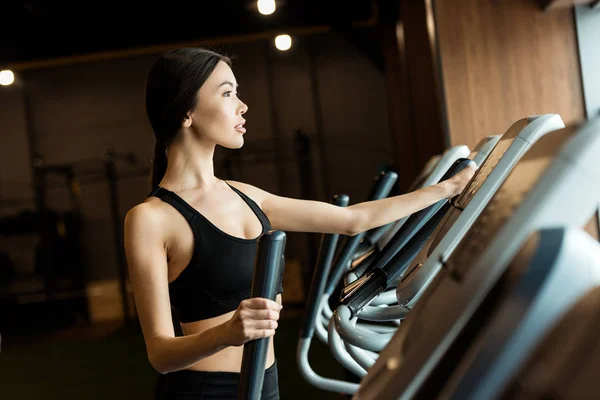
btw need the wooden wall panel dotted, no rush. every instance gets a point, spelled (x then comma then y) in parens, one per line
(504, 60)
(412, 83)
(555, 4)
(427, 122)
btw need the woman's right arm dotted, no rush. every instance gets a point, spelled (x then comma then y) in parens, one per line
(147, 262)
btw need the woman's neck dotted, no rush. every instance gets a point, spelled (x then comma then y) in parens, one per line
(190, 166)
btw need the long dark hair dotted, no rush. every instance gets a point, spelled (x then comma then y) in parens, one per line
(171, 88)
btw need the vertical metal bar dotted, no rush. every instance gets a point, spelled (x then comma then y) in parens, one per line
(268, 266)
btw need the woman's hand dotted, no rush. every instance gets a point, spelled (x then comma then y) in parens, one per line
(254, 318)
(458, 182)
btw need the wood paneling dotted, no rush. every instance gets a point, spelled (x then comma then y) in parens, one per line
(423, 80)
(398, 94)
(504, 60)
(411, 76)
(555, 4)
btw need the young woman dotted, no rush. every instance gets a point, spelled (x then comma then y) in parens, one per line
(191, 243)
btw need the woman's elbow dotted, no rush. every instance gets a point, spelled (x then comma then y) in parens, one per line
(351, 231)
(354, 225)
(156, 363)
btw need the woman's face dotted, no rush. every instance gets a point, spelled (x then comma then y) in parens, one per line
(217, 117)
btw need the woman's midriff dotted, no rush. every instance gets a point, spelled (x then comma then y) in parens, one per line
(228, 359)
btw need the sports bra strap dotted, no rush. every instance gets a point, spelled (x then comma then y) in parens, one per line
(257, 210)
(181, 206)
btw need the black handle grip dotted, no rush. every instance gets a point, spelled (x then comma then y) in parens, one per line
(401, 261)
(373, 236)
(319, 279)
(383, 184)
(456, 167)
(268, 266)
(362, 291)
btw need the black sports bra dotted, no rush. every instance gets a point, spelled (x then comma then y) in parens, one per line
(219, 275)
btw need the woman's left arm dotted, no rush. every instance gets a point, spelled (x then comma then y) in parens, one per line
(294, 215)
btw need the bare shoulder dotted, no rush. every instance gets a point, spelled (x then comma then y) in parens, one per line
(145, 232)
(255, 193)
(148, 214)
(148, 224)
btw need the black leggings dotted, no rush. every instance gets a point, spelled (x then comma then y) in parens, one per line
(204, 385)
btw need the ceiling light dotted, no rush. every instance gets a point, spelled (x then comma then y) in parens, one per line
(266, 7)
(283, 42)
(6, 77)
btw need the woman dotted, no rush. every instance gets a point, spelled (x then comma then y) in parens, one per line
(191, 243)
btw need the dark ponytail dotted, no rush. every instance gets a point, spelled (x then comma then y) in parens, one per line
(159, 163)
(171, 92)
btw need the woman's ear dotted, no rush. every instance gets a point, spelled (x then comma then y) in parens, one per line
(187, 121)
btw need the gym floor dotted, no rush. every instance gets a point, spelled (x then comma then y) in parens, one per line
(108, 360)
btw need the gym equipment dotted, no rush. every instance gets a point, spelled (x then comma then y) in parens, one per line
(555, 184)
(565, 364)
(555, 267)
(372, 238)
(447, 159)
(55, 295)
(381, 188)
(469, 204)
(318, 297)
(349, 251)
(268, 267)
(483, 149)
(431, 173)
(387, 266)
(313, 312)
(52, 295)
(478, 155)
(345, 353)
(413, 223)
(356, 359)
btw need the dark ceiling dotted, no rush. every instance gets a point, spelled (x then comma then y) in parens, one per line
(39, 30)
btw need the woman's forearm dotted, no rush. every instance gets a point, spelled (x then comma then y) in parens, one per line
(176, 353)
(372, 214)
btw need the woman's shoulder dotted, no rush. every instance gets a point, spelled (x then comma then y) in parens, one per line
(152, 212)
(149, 207)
